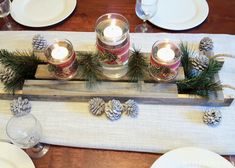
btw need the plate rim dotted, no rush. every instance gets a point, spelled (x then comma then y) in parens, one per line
(49, 23)
(178, 151)
(12, 147)
(203, 4)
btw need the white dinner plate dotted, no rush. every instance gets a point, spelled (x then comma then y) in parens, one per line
(41, 13)
(191, 157)
(180, 14)
(13, 157)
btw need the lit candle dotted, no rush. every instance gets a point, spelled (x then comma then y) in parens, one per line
(59, 52)
(113, 32)
(166, 54)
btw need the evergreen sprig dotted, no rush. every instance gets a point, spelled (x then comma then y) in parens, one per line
(89, 68)
(23, 64)
(186, 53)
(138, 66)
(202, 84)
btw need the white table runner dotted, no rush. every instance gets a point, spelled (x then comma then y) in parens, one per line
(158, 128)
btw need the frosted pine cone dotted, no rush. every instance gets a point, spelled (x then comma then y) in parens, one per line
(212, 117)
(131, 108)
(206, 44)
(97, 106)
(198, 64)
(39, 42)
(113, 109)
(20, 106)
(7, 75)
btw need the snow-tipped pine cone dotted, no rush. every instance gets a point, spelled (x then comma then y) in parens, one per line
(97, 106)
(131, 108)
(20, 106)
(113, 109)
(212, 117)
(206, 44)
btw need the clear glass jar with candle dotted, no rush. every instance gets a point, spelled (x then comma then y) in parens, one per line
(165, 60)
(62, 57)
(112, 37)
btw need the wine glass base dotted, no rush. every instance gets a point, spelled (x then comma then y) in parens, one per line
(143, 28)
(38, 151)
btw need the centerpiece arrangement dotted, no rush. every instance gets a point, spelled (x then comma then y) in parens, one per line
(171, 74)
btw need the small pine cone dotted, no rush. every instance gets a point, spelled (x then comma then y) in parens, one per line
(39, 42)
(20, 106)
(131, 108)
(206, 44)
(97, 106)
(113, 109)
(7, 75)
(198, 64)
(212, 117)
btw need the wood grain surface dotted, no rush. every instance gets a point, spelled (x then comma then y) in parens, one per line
(221, 19)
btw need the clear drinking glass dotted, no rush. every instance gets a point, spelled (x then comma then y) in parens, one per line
(4, 12)
(25, 131)
(145, 10)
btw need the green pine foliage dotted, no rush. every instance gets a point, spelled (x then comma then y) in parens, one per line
(89, 68)
(202, 84)
(138, 66)
(24, 64)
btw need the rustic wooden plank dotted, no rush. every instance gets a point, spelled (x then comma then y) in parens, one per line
(103, 89)
(151, 93)
(43, 73)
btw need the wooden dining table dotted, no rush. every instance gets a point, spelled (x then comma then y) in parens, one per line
(221, 20)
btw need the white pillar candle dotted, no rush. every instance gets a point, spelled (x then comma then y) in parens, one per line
(113, 32)
(59, 52)
(166, 54)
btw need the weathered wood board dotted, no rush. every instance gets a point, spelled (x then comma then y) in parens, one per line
(43, 73)
(151, 93)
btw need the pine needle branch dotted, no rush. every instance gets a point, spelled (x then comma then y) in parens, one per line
(23, 64)
(186, 53)
(202, 84)
(89, 68)
(138, 66)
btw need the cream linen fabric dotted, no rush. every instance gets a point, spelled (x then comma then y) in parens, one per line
(158, 128)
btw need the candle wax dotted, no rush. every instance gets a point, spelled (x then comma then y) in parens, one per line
(166, 54)
(113, 32)
(59, 53)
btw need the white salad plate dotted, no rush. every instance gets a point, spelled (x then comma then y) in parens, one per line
(180, 14)
(12, 156)
(191, 157)
(41, 13)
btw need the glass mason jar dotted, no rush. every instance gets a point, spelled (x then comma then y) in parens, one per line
(113, 42)
(63, 59)
(165, 60)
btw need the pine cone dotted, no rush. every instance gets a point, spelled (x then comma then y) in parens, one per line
(131, 108)
(113, 109)
(20, 106)
(206, 44)
(39, 42)
(7, 75)
(97, 106)
(212, 117)
(198, 64)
